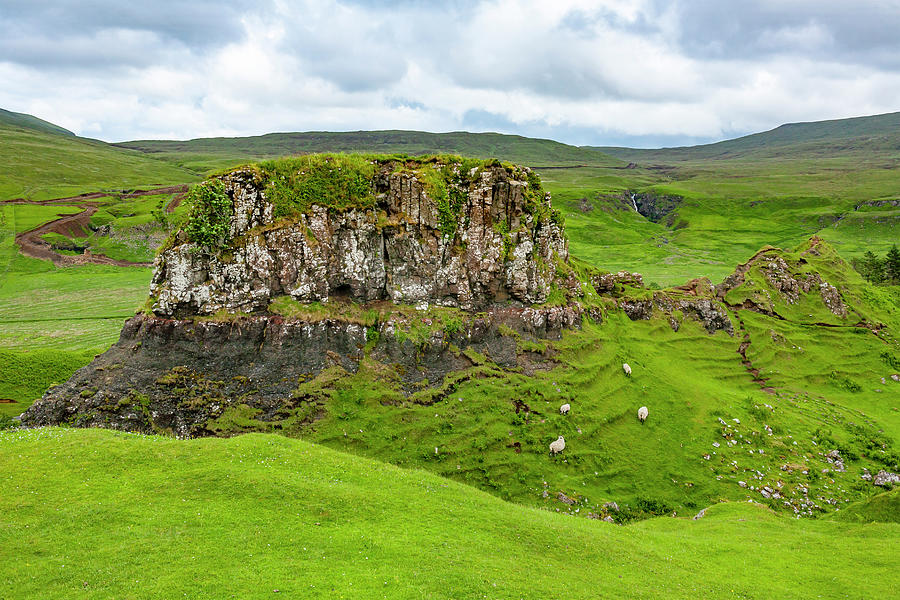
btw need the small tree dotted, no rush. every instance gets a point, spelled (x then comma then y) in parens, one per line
(872, 267)
(892, 265)
(210, 214)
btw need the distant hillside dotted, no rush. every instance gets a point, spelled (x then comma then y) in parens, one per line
(873, 135)
(24, 121)
(207, 153)
(39, 160)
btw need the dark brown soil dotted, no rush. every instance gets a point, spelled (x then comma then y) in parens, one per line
(31, 243)
(747, 364)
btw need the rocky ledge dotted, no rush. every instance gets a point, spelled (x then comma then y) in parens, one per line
(179, 376)
(440, 232)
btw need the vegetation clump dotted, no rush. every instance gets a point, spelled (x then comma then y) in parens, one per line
(880, 271)
(339, 181)
(210, 213)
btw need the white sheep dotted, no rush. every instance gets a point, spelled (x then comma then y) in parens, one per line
(627, 368)
(564, 409)
(558, 446)
(642, 414)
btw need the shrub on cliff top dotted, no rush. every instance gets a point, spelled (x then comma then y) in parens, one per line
(339, 181)
(210, 213)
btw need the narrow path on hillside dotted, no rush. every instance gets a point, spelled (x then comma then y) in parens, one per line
(33, 245)
(742, 350)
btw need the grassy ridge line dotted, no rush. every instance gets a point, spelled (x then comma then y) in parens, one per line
(837, 137)
(148, 517)
(26, 121)
(39, 165)
(211, 153)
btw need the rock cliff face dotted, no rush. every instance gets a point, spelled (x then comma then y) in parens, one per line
(179, 376)
(499, 244)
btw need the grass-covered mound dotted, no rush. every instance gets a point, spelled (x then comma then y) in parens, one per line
(95, 514)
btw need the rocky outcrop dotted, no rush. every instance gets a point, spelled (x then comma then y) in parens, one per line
(708, 312)
(773, 277)
(779, 275)
(503, 247)
(608, 282)
(266, 299)
(695, 300)
(886, 479)
(181, 376)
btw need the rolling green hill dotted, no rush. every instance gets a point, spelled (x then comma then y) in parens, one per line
(214, 153)
(99, 514)
(857, 137)
(40, 161)
(25, 121)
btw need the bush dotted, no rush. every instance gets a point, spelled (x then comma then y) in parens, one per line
(653, 506)
(210, 214)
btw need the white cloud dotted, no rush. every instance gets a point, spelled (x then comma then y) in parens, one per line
(576, 70)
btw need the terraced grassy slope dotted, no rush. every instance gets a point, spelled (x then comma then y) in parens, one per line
(90, 514)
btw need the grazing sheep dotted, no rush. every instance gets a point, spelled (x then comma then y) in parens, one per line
(642, 413)
(626, 368)
(558, 446)
(564, 409)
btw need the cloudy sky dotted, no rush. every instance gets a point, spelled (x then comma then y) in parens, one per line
(603, 72)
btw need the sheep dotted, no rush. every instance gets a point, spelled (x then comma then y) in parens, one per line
(558, 446)
(642, 414)
(564, 409)
(626, 368)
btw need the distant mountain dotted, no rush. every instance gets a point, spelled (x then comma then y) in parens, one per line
(877, 135)
(219, 152)
(24, 121)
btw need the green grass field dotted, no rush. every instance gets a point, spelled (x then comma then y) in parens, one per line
(98, 514)
(460, 498)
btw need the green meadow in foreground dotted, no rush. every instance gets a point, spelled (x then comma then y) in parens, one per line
(99, 514)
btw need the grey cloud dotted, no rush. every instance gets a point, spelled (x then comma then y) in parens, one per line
(865, 30)
(99, 33)
(576, 135)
